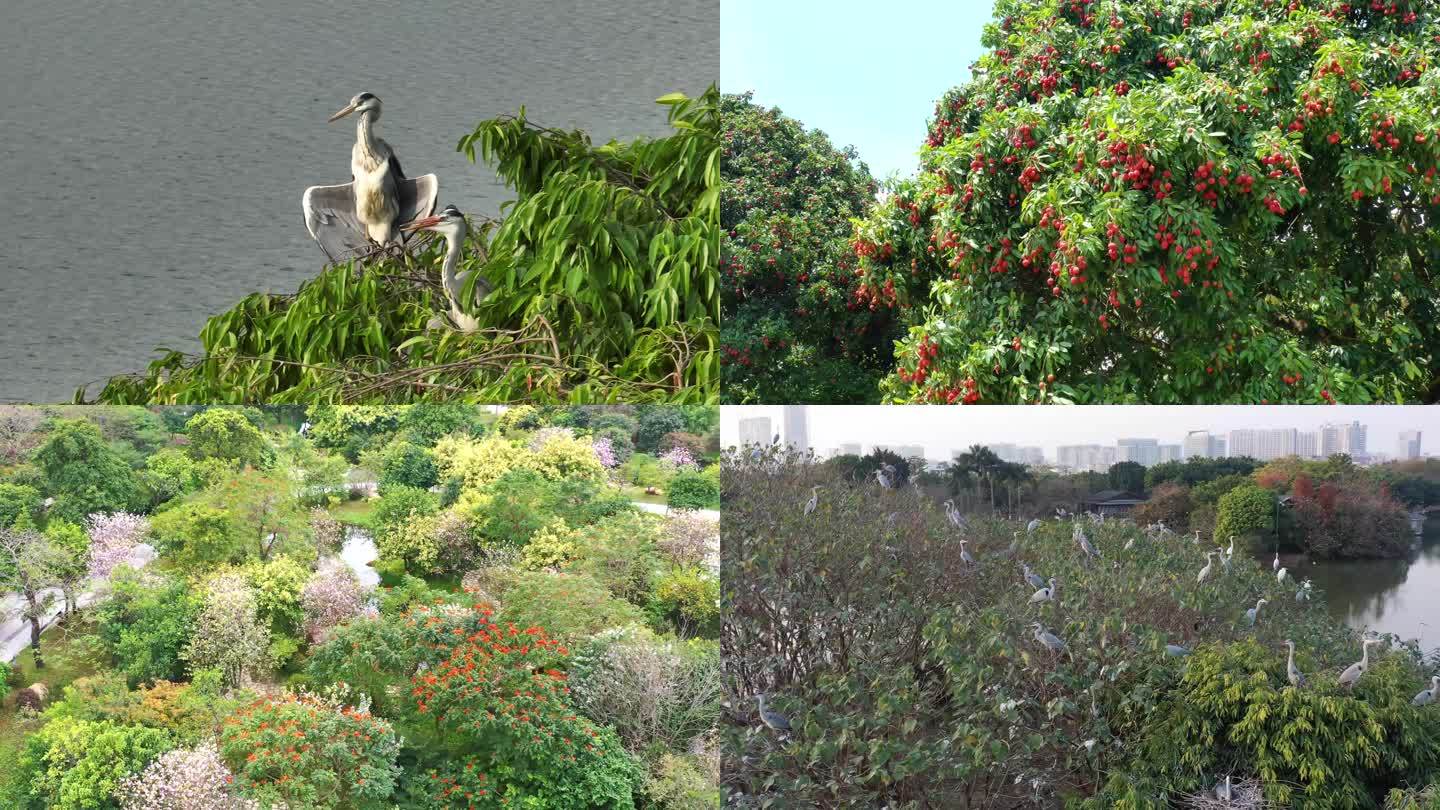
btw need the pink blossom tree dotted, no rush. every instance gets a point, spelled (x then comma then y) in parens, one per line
(680, 458)
(605, 452)
(113, 537)
(332, 596)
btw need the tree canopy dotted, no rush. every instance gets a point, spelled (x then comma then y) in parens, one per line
(1172, 202)
(793, 329)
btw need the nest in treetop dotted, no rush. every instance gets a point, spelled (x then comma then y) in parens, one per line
(1245, 794)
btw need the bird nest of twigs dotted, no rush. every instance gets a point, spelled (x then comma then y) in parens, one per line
(1245, 794)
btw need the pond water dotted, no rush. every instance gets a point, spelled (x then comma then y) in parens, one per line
(358, 552)
(1389, 596)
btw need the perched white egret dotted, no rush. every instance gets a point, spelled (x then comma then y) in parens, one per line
(1253, 614)
(1427, 696)
(1044, 594)
(1209, 564)
(1032, 526)
(1352, 673)
(1275, 566)
(1230, 552)
(1280, 575)
(1292, 672)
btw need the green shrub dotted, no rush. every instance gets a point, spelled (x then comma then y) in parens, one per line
(690, 598)
(145, 624)
(570, 606)
(1232, 711)
(77, 765)
(406, 464)
(693, 490)
(677, 783)
(1246, 509)
(619, 551)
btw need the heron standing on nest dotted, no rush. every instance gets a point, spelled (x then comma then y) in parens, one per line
(356, 217)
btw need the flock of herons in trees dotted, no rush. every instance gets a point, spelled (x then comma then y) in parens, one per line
(377, 211)
(887, 476)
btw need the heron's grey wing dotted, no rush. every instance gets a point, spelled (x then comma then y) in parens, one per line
(330, 217)
(418, 196)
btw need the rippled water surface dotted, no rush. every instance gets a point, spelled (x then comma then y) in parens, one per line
(152, 158)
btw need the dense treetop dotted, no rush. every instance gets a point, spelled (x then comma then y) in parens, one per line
(1159, 201)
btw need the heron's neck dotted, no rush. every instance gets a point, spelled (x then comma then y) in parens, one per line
(366, 137)
(448, 278)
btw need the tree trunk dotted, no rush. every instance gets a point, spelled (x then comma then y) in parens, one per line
(35, 641)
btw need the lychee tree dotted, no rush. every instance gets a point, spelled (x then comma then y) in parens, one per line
(792, 329)
(1173, 201)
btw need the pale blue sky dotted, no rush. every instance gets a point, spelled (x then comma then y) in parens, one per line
(866, 73)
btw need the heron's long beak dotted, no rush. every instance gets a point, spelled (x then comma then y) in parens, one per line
(420, 224)
(349, 108)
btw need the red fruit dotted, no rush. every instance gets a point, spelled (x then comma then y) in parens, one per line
(1356, 194)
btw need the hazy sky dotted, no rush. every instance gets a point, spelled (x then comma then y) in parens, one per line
(941, 428)
(867, 74)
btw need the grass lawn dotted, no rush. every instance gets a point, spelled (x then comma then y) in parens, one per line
(70, 653)
(638, 494)
(354, 512)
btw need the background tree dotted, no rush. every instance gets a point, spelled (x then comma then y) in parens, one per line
(793, 330)
(82, 472)
(228, 634)
(1168, 503)
(225, 434)
(1128, 476)
(18, 499)
(1245, 510)
(1185, 202)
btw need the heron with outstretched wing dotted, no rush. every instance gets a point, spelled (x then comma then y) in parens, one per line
(353, 218)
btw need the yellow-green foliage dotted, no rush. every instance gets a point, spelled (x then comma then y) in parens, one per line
(554, 546)
(414, 540)
(479, 462)
(514, 418)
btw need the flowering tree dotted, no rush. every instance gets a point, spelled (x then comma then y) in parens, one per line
(690, 539)
(539, 438)
(1193, 201)
(228, 633)
(327, 532)
(604, 452)
(184, 779)
(331, 596)
(311, 751)
(680, 458)
(501, 694)
(113, 537)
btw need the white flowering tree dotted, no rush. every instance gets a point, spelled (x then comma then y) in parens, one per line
(184, 779)
(229, 635)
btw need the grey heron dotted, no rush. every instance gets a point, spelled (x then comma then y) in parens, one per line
(1209, 564)
(1050, 640)
(450, 223)
(1084, 542)
(965, 556)
(348, 219)
(814, 500)
(1032, 526)
(1176, 651)
(1044, 594)
(1224, 791)
(1197, 537)
(1303, 594)
(1033, 578)
(1292, 672)
(1253, 614)
(771, 718)
(885, 476)
(1427, 696)
(1352, 673)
